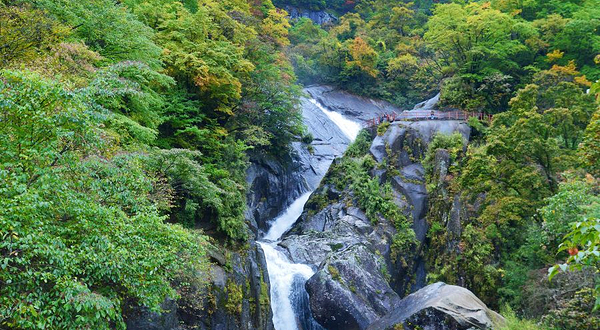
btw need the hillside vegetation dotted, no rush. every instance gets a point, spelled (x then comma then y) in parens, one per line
(127, 127)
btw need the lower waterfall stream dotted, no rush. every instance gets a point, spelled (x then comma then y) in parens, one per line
(289, 299)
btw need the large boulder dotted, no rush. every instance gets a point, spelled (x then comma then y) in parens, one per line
(440, 307)
(351, 290)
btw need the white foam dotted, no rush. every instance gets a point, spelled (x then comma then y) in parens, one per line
(349, 127)
(286, 220)
(281, 276)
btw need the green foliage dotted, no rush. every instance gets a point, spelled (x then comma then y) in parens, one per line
(591, 145)
(157, 106)
(235, 294)
(335, 274)
(382, 128)
(361, 144)
(509, 179)
(575, 313)
(133, 93)
(202, 63)
(77, 229)
(107, 28)
(575, 199)
(26, 33)
(454, 144)
(577, 205)
(374, 53)
(474, 36)
(513, 322)
(305, 31)
(200, 196)
(481, 51)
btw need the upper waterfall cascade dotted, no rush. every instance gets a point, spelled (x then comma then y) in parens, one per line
(349, 127)
(285, 221)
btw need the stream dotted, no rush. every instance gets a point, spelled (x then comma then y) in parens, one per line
(289, 299)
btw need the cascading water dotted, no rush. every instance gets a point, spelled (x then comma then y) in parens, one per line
(349, 127)
(285, 221)
(289, 299)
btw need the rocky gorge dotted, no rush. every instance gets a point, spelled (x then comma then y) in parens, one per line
(320, 259)
(360, 279)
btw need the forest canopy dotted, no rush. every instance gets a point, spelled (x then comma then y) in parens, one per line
(127, 128)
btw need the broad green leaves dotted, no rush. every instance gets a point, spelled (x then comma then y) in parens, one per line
(81, 234)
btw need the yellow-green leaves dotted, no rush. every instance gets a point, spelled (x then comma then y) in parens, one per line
(26, 33)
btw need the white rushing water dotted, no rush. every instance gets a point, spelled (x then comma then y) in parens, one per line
(285, 221)
(283, 274)
(281, 271)
(349, 127)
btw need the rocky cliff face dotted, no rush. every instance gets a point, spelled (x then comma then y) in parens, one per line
(273, 184)
(357, 108)
(319, 17)
(360, 278)
(237, 297)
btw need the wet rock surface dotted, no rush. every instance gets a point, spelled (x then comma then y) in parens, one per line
(352, 276)
(358, 108)
(275, 184)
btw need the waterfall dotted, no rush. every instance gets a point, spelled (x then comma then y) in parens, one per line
(287, 219)
(349, 127)
(289, 299)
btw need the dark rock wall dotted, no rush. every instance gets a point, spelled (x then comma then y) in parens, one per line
(319, 17)
(237, 297)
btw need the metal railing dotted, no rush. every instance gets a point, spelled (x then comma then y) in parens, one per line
(427, 115)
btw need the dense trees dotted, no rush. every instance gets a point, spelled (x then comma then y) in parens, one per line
(522, 181)
(374, 51)
(477, 53)
(126, 127)
(81, 230)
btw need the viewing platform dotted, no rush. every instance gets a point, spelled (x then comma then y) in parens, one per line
(418, 115)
